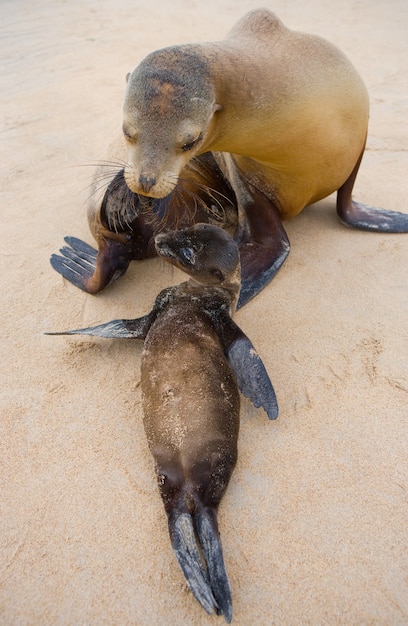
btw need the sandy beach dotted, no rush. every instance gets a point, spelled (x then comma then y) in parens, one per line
(314, 522)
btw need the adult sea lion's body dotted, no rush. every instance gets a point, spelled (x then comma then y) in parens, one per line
(267, 95)
(194, 360)
(285, 116)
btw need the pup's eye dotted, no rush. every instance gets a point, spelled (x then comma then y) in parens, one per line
(191, 144)
(187, 255)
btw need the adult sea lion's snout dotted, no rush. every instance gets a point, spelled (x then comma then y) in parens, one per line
(146, 182)
(150, 182)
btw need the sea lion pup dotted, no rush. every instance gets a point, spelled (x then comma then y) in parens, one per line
(285, 115)
(194, 360)
(124, 224)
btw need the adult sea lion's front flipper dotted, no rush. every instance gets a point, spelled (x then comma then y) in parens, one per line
(252, 378)
(122, 329)
(262, 240)
(363, 217)
(89, 269)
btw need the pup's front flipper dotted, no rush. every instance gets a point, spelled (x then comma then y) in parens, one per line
(122, 329)
(89, 269)
(252, 378)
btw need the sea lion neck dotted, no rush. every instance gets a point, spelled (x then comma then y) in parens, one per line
(225, 295)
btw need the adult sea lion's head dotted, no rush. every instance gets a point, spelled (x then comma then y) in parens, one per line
(168, 111)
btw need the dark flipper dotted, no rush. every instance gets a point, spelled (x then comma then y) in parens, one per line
(259, 264)
(252, 378)
(210, 587)
(207, 531)
(77, 263)
(183, 541)
(89, 269)
(137, 328)
(134, 328)
(363, 217)
(262, 241)
(87, 251)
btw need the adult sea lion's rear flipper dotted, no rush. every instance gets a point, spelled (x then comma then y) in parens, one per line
(89, 269)
(122, 329)
(252, 378)
(363, 217)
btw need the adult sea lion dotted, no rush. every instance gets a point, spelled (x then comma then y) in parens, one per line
(193, 362)
(285, 116)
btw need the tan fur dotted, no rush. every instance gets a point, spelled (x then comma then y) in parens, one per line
(287, 111)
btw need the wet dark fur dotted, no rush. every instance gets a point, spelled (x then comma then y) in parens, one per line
(126, 223)
(195, 359)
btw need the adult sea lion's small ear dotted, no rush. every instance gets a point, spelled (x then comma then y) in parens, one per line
(217, 107)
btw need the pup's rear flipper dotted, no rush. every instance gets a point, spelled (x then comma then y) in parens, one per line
(211, 587)
(209, 538)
